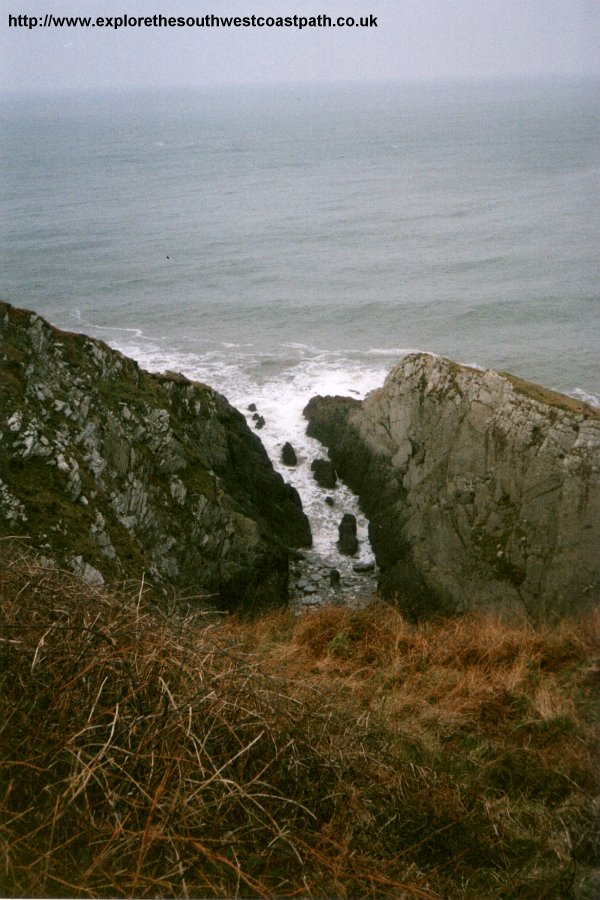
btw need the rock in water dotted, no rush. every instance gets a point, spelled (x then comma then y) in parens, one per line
(288, 455)
(482, 490)
(348, 542)
(363, 568)
(114, 471)
(324, 473)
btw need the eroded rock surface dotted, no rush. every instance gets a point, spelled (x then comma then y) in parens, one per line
(114, 472)
(482, 490)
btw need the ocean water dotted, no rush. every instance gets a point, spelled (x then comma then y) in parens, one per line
(282, 242)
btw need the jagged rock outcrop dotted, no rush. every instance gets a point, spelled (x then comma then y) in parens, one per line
(482, 490)
(114, 472)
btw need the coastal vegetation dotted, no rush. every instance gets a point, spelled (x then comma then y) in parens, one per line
(153, 750)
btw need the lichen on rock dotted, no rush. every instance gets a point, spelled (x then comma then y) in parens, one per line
(482, 490)
(116, 473)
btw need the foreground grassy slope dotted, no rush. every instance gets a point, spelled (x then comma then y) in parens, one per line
(338, 754)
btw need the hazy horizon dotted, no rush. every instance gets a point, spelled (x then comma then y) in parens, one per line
(51, 91)
(427, 41)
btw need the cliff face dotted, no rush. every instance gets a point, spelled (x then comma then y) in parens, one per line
(113, 472)
(482, 490)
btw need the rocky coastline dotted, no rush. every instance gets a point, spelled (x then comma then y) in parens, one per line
(482, 490)
(118, 474)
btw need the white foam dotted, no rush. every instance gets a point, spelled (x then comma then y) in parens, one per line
(280, 385)
(280, 397)
(91, 328)
(585, 396)
(400, 352)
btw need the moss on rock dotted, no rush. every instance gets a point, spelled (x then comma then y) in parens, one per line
(136, 473)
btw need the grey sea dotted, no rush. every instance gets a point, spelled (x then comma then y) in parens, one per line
(282, 242)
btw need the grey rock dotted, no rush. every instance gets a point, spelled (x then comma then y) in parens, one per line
(86, 571)
(482, 491)
(122, 473)
(13, 509)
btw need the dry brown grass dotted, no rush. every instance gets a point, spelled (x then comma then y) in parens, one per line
(336, 754)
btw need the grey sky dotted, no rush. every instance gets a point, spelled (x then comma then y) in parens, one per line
(415, 39)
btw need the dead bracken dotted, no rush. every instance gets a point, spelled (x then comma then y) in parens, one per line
(146, 752)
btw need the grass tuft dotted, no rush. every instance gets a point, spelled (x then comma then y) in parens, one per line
(339, 753)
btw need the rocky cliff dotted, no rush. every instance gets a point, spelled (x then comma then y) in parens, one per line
(114, 472)
(482, 490)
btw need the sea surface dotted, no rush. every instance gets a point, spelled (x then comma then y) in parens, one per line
(282, 242)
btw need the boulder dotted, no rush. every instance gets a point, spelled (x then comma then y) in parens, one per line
(117, 473)
(288, 455)
(324, 473)
(482, 490)
(348, 541)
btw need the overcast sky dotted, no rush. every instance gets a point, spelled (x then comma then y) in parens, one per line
(415, 39)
